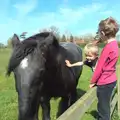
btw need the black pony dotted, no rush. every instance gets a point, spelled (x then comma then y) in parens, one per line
(40, 73)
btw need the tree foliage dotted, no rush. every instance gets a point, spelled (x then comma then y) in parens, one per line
(2, 45)
(63, 39)
(9, 43)
(67, 36)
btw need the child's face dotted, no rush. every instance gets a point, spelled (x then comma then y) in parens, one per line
(90, 57)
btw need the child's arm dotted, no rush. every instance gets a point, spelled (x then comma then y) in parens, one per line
(74, 64)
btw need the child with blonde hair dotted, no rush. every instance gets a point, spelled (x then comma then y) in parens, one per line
(91, 54)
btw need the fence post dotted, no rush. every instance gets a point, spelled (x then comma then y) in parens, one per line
(118, 72)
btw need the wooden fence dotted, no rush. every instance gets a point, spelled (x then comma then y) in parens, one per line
(78, 109)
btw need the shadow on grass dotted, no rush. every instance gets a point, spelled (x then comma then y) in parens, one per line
(62, 106)
(94, 113)
(80, 93)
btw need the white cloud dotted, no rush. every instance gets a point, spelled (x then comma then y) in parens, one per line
(24, 8)
(62, 18)
(65, 17)
(65, 2)
(74, 15)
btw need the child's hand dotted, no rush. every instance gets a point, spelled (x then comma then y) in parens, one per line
(92, 85)
(68, 63)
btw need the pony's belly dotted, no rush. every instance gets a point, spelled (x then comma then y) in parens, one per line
(59, 85)
(57, 93)
(59, 89)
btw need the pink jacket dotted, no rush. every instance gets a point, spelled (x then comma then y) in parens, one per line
(105, 71)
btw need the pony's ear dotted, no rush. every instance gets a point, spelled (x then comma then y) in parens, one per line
(49, 40)
(15, 40)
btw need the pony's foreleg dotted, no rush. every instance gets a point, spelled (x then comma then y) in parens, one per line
(36, 114)
(45, 104)
(67, 101)
(72, 98)
(28, 111)
(63, 105)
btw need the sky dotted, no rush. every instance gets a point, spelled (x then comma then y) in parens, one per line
(78, 17)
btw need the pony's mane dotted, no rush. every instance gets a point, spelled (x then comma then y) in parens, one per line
(37, 36)
(26, 47)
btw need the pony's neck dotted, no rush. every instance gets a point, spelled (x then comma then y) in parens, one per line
(54, 58)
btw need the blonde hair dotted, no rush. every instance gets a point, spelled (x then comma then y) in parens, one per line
(91, 47)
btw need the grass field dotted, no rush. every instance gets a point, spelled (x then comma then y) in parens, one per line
(8, 95)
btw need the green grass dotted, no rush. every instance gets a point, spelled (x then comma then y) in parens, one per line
(8, 95)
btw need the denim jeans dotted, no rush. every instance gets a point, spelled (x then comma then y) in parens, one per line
(104, 93)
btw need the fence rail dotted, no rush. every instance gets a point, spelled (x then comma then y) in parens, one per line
(78, 109)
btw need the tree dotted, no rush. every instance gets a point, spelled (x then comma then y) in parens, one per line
(88, 37)
(52, 29)
(67, 33)
(44, 30)
(71, 38)
(1, 45)
(9, 43)
(55, 31)
(118, 37)
(63, 39)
